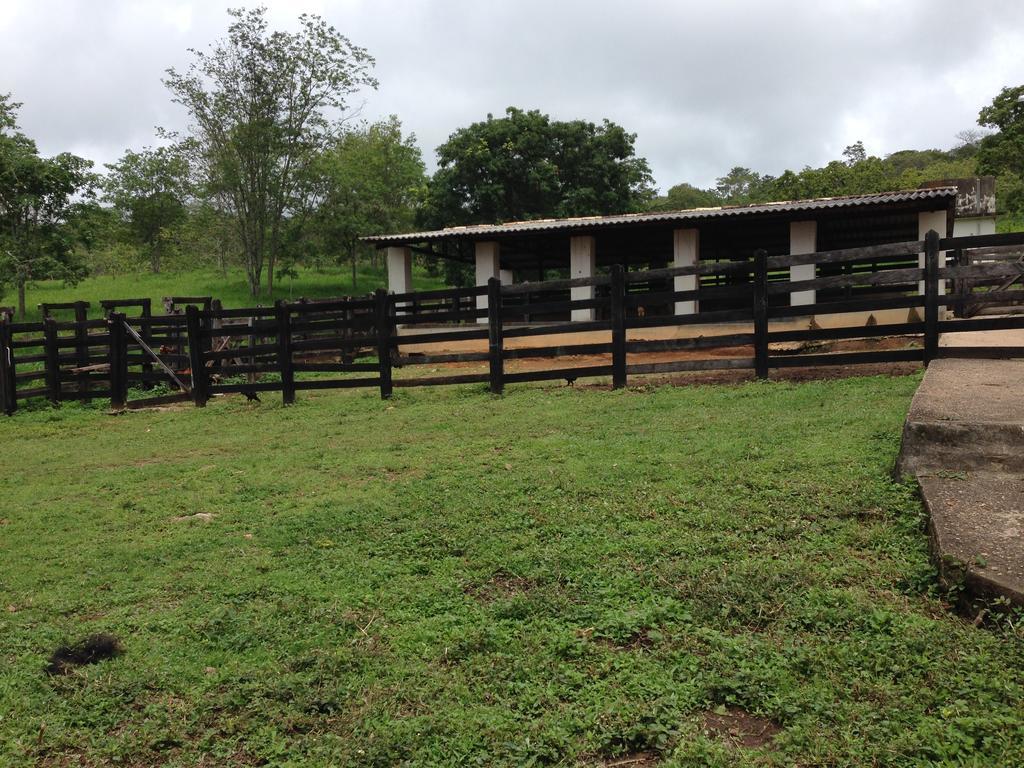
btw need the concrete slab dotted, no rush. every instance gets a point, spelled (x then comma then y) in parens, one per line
(1005, 338)
(966, 414)
(971, 391)
(964, 443)
(976, 521)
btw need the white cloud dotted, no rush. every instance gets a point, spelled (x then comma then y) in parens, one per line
(705, 86)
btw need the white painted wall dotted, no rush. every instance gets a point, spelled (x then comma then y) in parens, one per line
(967, 227)
(803, 238)
(487, 266)
(399, 260)
(582, 261)
(686, 253)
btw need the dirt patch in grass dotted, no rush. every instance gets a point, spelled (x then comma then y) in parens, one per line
(500, 586)
(201, 516)
(638, 641)
(636, 760)
(736, 728)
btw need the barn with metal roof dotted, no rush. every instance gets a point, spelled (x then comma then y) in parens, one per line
(583, 246)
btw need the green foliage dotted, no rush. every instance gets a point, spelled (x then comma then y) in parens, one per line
(150, 190)
(684, 196)
(368, 180)
(206, 237)
(259, 102)
(557, 576)
(37, 197)
(527, 166)
(1002, 153)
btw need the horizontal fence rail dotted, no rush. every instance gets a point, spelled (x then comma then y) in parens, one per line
(198, 349)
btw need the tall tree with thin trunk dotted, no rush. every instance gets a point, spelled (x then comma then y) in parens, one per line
(263, 105)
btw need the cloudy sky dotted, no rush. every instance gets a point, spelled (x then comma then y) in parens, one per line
(704, 85)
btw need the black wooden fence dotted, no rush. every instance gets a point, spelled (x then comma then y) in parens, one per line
(362, 342)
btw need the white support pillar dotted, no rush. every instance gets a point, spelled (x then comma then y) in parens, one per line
(686, 253)
(803, 238)
(506, 276)
(927, 220)
(487, 266)
(582, 260)
(399, 269)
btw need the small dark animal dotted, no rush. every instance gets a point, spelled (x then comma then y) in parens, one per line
(252, 397)
(570, 380)
(92, 649)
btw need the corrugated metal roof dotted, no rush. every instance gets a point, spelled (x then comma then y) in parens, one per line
(477, 231)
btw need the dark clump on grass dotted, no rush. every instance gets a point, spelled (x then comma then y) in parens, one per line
(91, 650)
(736, 728)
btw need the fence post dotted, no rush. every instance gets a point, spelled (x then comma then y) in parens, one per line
(8, 382)
(146, 332)
(761, 313)
(347, 356)
(383, 318)
(962, 285)
(207, 321)
(118, 360)
(82, 343)
(197, 368)
(495, 340)
(931, 296)
(52, 353)
(618, 312)
(284, 351)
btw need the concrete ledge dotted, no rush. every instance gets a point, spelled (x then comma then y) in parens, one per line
(930, 445)
(976, 525)
(964, 443)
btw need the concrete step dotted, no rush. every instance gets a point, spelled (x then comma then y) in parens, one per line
(976, 524)
(934, 445)
(964, 443)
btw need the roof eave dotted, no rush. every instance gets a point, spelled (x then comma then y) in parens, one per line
(556, 226)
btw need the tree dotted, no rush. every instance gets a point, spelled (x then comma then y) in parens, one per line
(37, 197)
(208, 236)
(258, 103)
(368, 181)
(150, 190)
(855, 153)
(739, 186)
(526, 166)
(1002, 153)
(684, 196)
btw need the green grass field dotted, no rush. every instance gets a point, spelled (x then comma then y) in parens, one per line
(232, 290)
(558, 576)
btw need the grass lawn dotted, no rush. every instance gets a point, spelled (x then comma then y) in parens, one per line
(557, 576)
(232, 290)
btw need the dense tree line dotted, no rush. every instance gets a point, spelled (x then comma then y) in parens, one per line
(275, 172)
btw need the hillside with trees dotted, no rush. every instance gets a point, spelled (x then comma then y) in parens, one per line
(999, 153)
